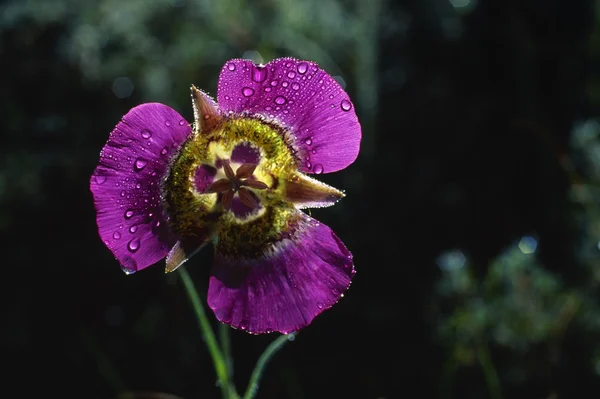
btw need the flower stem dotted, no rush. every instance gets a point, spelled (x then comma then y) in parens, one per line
(208, 335)
(262, 362)
(226, 346)
(489, 370)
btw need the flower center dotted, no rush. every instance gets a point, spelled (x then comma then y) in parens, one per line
(237, 183)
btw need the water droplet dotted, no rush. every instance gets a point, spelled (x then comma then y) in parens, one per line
(100, 179)
(268, 108)
(140, 164)
(146, 134)
(128, 214)
(181, 122)
(244, 324)
(308, 164)
(308, 141)
(302, 68)
(164, 151)
(134, 244)
(128, 269)
(267, 89)
(320, 305)
(314, 151)
(280, 100)
(154, 174)
(346, 105)
(274, 83)
(116, 235)
(122, 193)
(231, 66)
(247, 91)
(138, 185)
(285, 84)
(133, 228)
(331, 96)
(167, 123)
(291, 74)
(259, 74)
(295, 86)
(157, 223)
(318, 169)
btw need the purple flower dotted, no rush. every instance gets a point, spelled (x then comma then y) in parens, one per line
(237, 177)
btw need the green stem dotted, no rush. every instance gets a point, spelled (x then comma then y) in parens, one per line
(226, 346)
(263, 360)
(207, 333)
(489, 371)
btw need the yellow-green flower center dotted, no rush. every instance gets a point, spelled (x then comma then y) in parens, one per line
(195, 207)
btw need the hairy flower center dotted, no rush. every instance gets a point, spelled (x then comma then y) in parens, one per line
(229, 174)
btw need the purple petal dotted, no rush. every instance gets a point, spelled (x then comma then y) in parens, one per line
(293, 281)
(245, 153)
(305, 98)
(204, 177)
(126, 184)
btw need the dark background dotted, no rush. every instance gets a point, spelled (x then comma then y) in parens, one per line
(472, 210)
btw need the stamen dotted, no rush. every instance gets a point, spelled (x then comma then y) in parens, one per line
(245, 170)
(247, 198)
(228, 171)
(255, 184)
(226, 199)
(219, 186)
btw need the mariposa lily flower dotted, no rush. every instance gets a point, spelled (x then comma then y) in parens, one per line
(237, 177)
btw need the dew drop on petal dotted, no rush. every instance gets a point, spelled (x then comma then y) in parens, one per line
(116, 235)
(122, 193)
(138, 186)
(167, 123)
(285, 84)
(318, 169)
(247, 91)
(295, 86)
(244, 324)
(100, 179)
(280, 100)
(291, 74)
(267, 89)
(308, 164)
(274, 83)
(134, 244)
(259, 74)
(128, 269)
(346, 105)
(133, 228)
(128, 214)
(231, 66)
(164, 151)
(146, 134)
(308, 141)
(140, 164)
(320, 305)
(302, 68)
(268, 108)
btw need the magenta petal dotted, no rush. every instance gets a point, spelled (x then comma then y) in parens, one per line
(126, 184)
(295, 280)
(304, 97)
